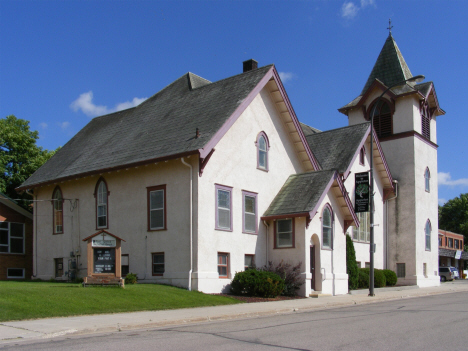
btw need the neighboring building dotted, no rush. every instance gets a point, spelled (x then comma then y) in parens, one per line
(451, 250)
(405, 123)
(16, 240)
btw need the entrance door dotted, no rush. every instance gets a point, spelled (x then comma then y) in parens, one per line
(312, 267)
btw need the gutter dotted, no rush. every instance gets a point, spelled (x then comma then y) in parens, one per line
(191, 229)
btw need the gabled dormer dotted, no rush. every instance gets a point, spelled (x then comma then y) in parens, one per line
(407, 109)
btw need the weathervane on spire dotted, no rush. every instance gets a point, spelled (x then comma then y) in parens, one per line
(390, 26)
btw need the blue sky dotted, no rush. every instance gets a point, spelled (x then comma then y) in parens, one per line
(64, 62)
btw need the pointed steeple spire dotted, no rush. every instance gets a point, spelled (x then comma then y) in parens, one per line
(390, 67)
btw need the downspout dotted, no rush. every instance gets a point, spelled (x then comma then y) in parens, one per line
(386, 222)
(267, 234)
(191, 216)
(35, 230)
(333, 249)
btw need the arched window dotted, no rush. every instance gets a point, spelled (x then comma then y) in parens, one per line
(101, 204)
(362, 155)
(57, 203)
(428, 230)
(427, 178)
(327, 227)
(262, 151)
(382, 115)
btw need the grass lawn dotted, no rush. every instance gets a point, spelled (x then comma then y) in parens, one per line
(29, 300)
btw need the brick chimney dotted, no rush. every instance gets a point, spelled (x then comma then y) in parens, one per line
(250, 65)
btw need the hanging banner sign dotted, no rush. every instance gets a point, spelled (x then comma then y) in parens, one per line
(361, 192)
(458, 254)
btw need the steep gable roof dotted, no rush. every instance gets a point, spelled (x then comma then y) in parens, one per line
(302, 194)
(308, 130)
(390, 67)
(335, 149)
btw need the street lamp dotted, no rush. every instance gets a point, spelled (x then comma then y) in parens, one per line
(416, 79)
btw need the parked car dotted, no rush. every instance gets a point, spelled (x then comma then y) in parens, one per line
(465, 272)
(456, 275)
(445, 274)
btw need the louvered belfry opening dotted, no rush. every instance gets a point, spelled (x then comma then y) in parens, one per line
(383, 119)
(426, 121)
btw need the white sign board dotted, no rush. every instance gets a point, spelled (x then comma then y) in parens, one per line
(104, 240)
(458, 255)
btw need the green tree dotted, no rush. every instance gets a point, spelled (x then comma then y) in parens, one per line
(453, 215)
(19, 156)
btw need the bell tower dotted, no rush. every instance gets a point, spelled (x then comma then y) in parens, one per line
(405, 123)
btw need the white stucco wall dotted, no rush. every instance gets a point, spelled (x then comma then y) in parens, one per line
(234, 164)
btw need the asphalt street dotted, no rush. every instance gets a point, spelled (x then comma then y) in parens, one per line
(435, 322)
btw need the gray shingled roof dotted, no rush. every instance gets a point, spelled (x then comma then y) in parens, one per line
(390, 67)
(308, 130)
(335, 149)
(300, 193)
(451, 253)
(163, 125)
(423, 88)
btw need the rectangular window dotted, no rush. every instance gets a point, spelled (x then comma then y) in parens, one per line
(223, 264)
(15, 273)
(457, 244)
(11, 238)
(249, 210)
(284, 236)
(440, 241)
(401, 270)
(157, 207)
(450, 240)
(158, 263)
(367, 265)
(125, 265)
(223, 207)
(425, 269)
(249, 261)
(358, 264)
(363, 232)
(58, 267)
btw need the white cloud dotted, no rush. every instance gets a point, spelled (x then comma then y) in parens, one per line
(64, 125)
(349, 10)
(446, 179)
(86, 105)
(43, 125)
(442, 201)
(286, 76)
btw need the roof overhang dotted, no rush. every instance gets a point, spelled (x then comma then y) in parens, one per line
(101, 232)
(15, 207)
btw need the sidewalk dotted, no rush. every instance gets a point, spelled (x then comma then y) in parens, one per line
(12, 332)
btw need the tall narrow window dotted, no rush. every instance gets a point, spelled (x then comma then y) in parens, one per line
(362, 233)
(327, 228)
(427, 178)
(101, 204)
(57, 203)
(284, 236)
(249, 261)
(401, 270)
(223, 207)
(426, 121)
(362, 155)
(428, 230)
(157, 207)
(249, 207)
(262, 151)
(382, 115)
(223, 264)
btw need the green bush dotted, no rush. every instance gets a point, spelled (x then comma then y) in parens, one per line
(379, 278)
(289, 273)
(131, 278)
(253, 282)
(390, 276)
(363, 278)
(351, 265)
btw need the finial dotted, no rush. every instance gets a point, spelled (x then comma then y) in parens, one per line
(197, 134)
(390, 26)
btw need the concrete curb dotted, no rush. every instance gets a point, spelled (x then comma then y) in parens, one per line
(17, 331)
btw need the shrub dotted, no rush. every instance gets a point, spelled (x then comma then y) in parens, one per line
(253, 282)
(379, 278)
(131, 278)
(289, 273)
(351, 265)
(390, 276)
(363, 278)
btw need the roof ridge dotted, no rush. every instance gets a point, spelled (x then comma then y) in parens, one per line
(240, 74)
(345, 127)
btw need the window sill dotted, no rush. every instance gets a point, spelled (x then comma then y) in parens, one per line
(223, 230)
(263, 169)
(158, 275)
(156, 230)
(12, 253)
(327, 248)
(57, 233)
(284, 247)
(253, 233)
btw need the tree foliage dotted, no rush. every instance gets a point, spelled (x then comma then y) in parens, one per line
(351, 264)
(20, 157)
(453, 215)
